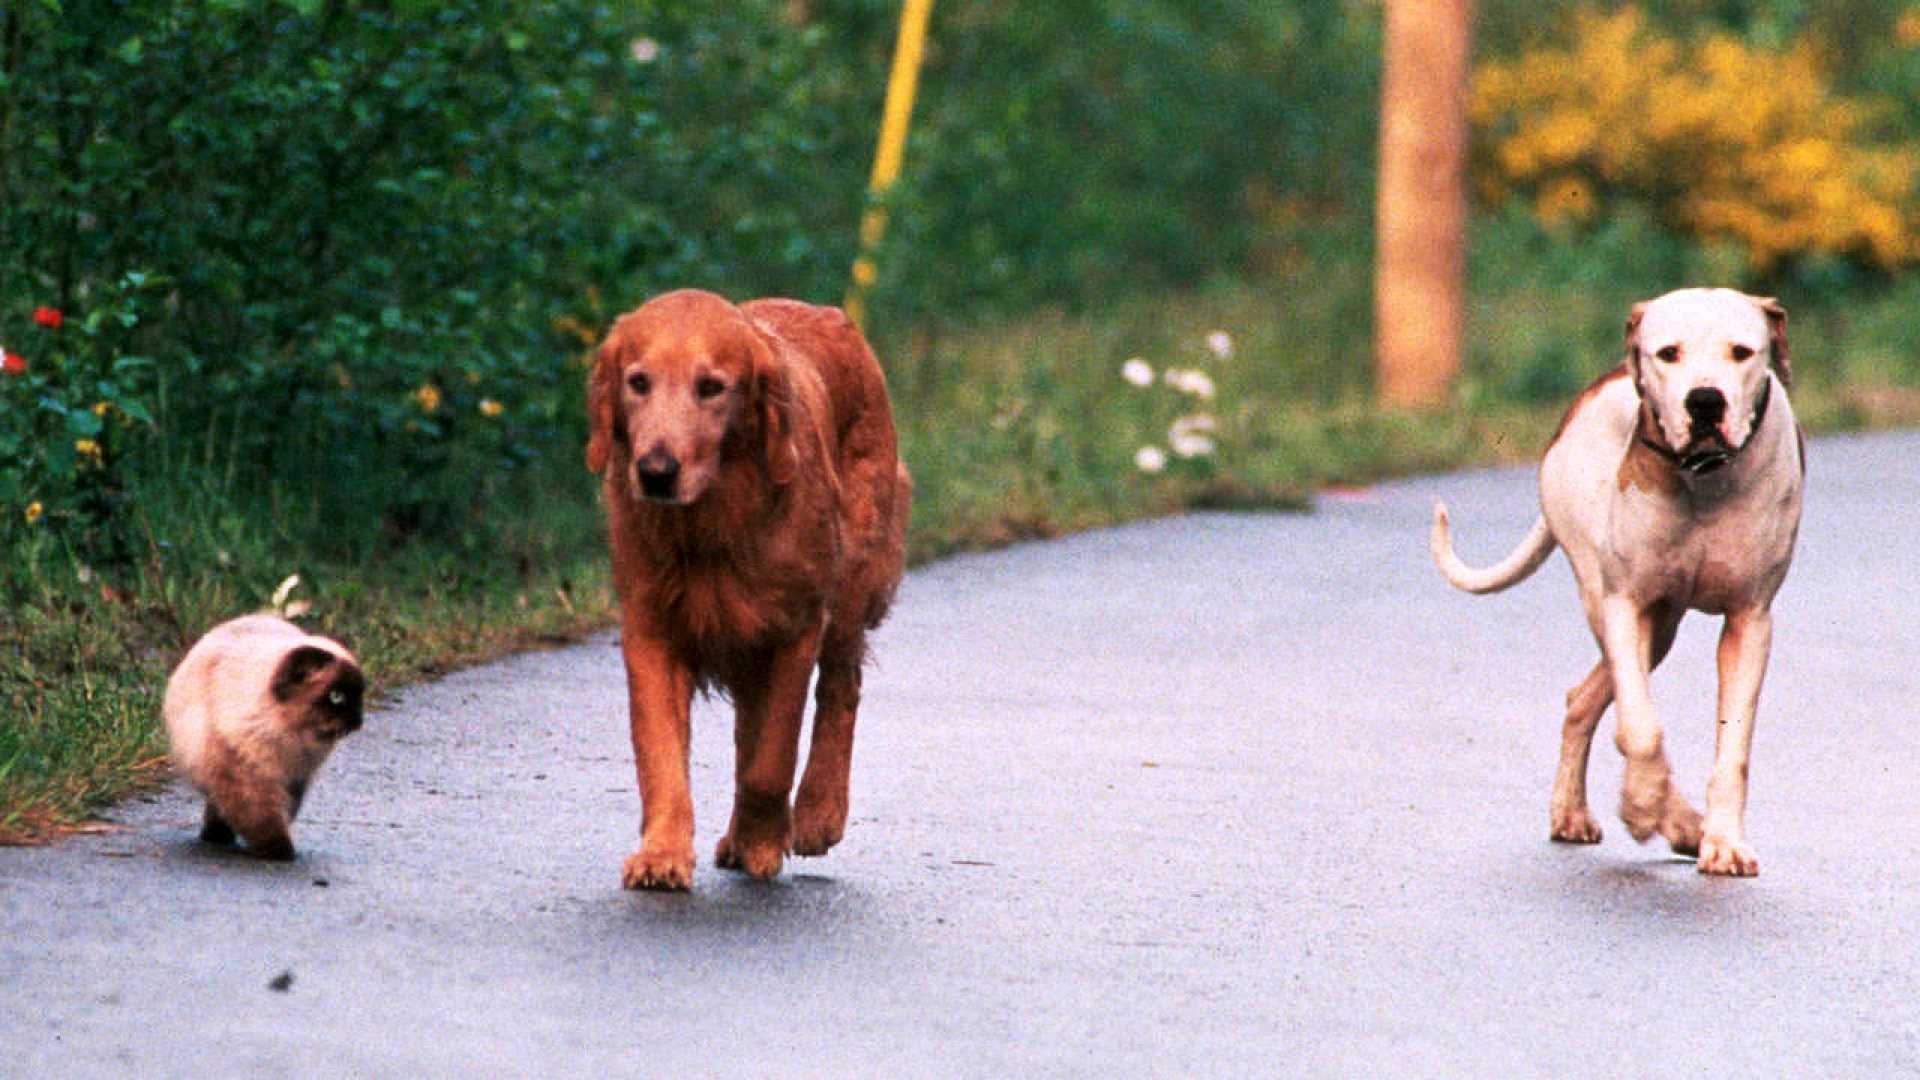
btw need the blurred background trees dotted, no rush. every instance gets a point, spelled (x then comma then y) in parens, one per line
(341, 260)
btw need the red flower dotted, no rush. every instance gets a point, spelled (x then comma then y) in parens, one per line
(48, 317)
(13, 363)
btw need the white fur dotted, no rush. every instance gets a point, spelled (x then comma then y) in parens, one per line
(1702, 327)
(1650, 539)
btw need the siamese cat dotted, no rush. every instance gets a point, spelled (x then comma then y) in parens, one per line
(252, 711)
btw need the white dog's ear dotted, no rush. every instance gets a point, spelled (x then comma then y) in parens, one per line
(1777, 337)
(1633, 340)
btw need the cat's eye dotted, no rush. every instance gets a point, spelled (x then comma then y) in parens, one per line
(337, 697)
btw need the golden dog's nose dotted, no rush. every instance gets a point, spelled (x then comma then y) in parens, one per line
(659, 473)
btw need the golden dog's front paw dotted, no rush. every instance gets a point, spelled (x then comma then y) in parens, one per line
(1575, 826)
(818, 824)
(670, 870)
(756, 858)
(1719, 855)
(1643, 797)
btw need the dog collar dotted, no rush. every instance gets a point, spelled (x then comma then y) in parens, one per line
(1704, 462)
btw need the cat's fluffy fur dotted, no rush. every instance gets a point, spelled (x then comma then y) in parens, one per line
(252, 711)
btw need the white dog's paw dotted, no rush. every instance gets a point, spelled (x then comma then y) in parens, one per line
(1680, 824)
(1718, 855)
(1575, 826)
(1643, 797)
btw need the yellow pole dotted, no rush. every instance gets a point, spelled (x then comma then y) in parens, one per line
(908, 52)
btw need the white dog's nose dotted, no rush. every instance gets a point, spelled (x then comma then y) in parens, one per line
(1706, 405)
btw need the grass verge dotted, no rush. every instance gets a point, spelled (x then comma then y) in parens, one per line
(83, 666)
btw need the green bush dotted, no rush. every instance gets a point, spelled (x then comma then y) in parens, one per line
(374, 241)
(75, 419)
(376, 237)
(1070, 152)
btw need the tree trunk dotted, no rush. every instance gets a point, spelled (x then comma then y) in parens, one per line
(1421, 209)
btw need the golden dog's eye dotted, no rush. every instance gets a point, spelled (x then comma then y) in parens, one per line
(1669, 354)
(639, 383)
(1741, 352)
(709, 387)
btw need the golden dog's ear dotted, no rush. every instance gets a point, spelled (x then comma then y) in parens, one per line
(1633, 340)
(1777, 337)
(603, 398)
(773, 405)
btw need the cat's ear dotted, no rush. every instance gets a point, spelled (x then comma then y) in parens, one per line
(298, 668)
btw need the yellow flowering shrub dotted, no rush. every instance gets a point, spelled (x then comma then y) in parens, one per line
(1719, 138)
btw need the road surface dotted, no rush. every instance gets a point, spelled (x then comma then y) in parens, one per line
(1221, 795)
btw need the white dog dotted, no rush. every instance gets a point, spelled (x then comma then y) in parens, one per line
(1673, 483)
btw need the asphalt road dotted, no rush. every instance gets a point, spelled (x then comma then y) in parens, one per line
(1214, 796)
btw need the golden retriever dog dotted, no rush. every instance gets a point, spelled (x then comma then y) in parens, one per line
(757, 510)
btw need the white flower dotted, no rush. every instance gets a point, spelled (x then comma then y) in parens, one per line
(1219, 344)
(1191, 381)
(1137, 371)
(645, 50)
(1191, 436)
(1150, 459)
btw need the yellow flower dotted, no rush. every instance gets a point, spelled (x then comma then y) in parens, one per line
(89, 449)
(34, 511)
(1719, 138)
(490, 407)
(428, 396)
(864, 273)
(1907, 30)
(100, 408)
(1566, 199)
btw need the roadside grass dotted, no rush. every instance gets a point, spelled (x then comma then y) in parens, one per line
(84, 658)
(1020, 429)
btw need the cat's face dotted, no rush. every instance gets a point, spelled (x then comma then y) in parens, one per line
(323, 692)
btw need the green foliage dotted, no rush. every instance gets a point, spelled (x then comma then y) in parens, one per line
(378, 238)
(1067, 152)
(380, 235)
(72, 420)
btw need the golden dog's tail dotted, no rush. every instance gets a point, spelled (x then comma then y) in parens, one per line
(1515, 568)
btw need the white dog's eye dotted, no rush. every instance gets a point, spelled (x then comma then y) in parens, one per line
(1669, 354)
(1741, 352)
(337, 697)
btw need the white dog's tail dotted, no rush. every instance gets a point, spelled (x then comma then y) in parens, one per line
(1512, 570)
